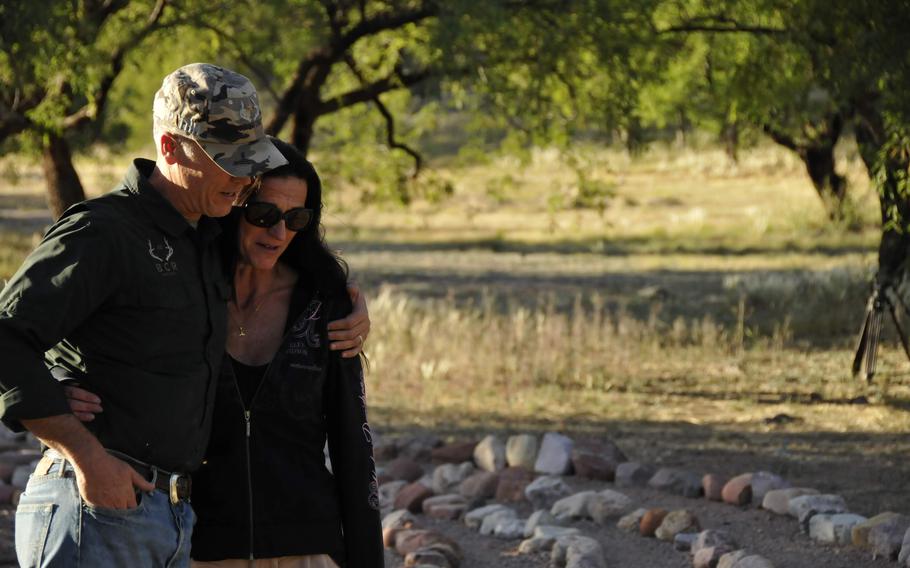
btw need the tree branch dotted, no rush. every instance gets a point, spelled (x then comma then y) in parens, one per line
(370, 91)
(721, 24)
(782, 138)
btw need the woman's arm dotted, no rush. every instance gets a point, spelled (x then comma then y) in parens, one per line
(348, 334)
(351, 452)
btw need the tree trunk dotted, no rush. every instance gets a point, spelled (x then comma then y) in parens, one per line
(730, 136)
(63, 186)
(304, 126)
(831, 186)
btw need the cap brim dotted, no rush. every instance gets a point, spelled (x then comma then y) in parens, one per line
(245, 160)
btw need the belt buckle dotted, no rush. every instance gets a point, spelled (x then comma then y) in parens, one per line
(172, 488)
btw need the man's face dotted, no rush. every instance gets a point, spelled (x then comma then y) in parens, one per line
(210, 191)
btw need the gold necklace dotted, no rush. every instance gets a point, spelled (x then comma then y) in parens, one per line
(241, 327)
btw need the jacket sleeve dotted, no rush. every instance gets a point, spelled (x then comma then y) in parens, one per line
(351, 451)
(59, 285)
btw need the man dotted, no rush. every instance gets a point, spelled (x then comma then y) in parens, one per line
(127, 292)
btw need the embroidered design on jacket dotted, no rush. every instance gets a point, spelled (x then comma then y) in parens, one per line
(373, 496)
(305, 327)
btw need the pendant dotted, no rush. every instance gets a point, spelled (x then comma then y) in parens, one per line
(242, 331)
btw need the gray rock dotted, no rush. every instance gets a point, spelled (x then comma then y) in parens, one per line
(730, 559)
(575, 551)
(633, 474)
(549, 531)
(778, 500)
(555, 455)
(753, 561)
(535, 544)
(677, 522)
(713, 539)
(426, 557)
(399, 518)
(886, 539)
(418, 447)
(543, 492)
(861, 531)
(490, 454)
(631, 522)
(489, 523)
(540, 517)
(763, 482)
(474, 518)
(834, 529)
(807, 506)
(677, 481)
(479, 486)
(573, 506)
(441, 500)
(510, 529)
(709, 557)
(447, 477)
(903, 558)
(683, 541)
(521, 451)
(608, 504)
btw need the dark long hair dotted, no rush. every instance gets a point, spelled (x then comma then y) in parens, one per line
(318, 268)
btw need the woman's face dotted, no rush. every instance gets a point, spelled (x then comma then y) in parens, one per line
(260, 247)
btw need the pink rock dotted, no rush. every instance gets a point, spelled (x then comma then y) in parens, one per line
(412, 496)
(403, 469)
(738, 491)
(481, 485)
(456, 452)
(409, 541)
(713, 485)
(512, 483)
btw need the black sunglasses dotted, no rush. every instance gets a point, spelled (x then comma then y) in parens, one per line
(265, 214)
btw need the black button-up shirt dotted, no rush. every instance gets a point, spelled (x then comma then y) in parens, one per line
(125, 295)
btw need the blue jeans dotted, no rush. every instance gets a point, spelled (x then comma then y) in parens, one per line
(56, 528)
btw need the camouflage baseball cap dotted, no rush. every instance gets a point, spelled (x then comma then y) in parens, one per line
(219, 109)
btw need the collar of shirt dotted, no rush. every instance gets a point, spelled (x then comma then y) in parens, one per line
(159, 208)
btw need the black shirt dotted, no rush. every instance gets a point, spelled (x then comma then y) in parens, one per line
(124, 294)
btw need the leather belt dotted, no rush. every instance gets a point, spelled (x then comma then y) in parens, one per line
(177, 486)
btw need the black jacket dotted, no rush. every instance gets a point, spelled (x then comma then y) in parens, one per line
(263, 489)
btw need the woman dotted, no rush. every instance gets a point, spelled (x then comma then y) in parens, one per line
(264, 491)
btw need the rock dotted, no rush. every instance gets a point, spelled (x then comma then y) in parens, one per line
(543, 492)
(411, 497)
(778, 500)
(447, 477)
(6, 471)
(418, 448)
(597, 460)
(425, 558)
(6, 493)
(479, 486)
(21, 475)
(608, 504)
(403, 469)
(709, 557)
(512, 484)
(753, 561)
(537, 518)
(651, 520)
(633, 474)
(521, 451)
(573, 506)
(555, 455)
(385, 450)
(20, 457)
(860, 532)
(712, 485)
(903, 558)
(763, 482)
(401, 518)
(713, 539)
(456, 452)
(738, 491)
(683, 541)
(451, 512)
(807, 506)
(576, 551)
(886, 539)
(489, 523)
(408, 541)
(730, 559)
(550, 531)
(834, 529)
(510, 529)
(677, 522)
(388, 491)
(535, 544)
(677, 481)
(14, 500)
(450, 499)
(632, 521)
(490, 454)
(474, 518)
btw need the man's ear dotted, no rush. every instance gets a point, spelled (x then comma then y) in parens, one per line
(168, 148)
